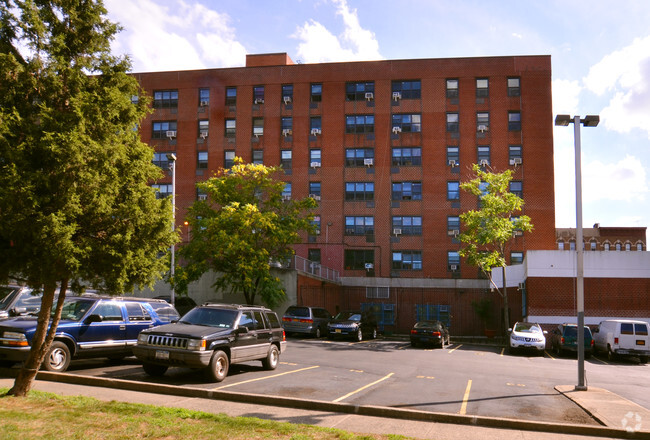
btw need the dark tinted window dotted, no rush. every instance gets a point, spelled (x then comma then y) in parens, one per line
(212, 317)
(627, 329)
(259, 320)
(298, 311)
(136, 312)
(273, 319)
(641, 329)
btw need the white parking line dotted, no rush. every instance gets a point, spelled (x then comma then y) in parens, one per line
(363, 388)
(266, 377)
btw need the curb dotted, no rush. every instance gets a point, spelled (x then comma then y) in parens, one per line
(316, 405)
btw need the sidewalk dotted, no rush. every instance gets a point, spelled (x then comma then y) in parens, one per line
(604, 406)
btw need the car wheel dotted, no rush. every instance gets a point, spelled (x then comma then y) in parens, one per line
(414, 344)
(218, 369)
(272, 359)
(154, 370)
(359, 335)
(643, 359)
(58, 358)
(318, 333)
(610, 354)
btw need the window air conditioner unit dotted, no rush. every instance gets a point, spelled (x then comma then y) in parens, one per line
(522, 286)
(315, 164)
(349, 231)
(315, 197)
(315, 131)
(516, 161)
(484, 162)
(171, 134)
(397, 130)
(370, 96)
(203, 134)
(285, 197)
(259, 101)
(369, 266)
(452, 163)
(482, 128)
(397, 96)
(203, 197)
(368, 162)
(453, 232)
(453, 267)
(397, 231)
(286, 132)
(204, 103)
(287, 100)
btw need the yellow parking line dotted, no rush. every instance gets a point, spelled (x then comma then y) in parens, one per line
(502, 350)
(363, 388)
(549, 355)
(455, 348)
(463, 407)
(266, 377)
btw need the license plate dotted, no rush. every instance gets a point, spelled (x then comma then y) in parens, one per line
(160, 354)
(640, 342)
(338, 330)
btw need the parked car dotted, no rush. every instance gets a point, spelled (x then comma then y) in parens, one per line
(564, 339)
(623, 338)
(19, 301)
(527, 336)
(306, 320)
(429, 332)
(90, 327)
(354, 324)
(182, 303)
(212, 337)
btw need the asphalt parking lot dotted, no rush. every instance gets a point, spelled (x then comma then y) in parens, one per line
(459, 379)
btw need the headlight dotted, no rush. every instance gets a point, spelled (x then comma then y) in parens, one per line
(196, 344)
(143, 338)
(15, 339)
(15, 335)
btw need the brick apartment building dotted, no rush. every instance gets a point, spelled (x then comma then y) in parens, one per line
(383, 146)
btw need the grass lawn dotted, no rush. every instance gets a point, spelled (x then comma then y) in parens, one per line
(49, 416)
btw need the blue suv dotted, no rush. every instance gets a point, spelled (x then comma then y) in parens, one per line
(90, 327)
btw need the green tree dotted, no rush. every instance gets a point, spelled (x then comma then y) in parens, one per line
(488, 231)
(75, 206)
(244, 225)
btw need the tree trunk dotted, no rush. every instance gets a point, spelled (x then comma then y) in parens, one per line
(42, 339)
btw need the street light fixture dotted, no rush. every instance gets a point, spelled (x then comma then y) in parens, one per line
(171, 157)
(588, 121)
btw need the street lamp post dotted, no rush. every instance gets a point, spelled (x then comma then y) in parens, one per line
(588, 121)
(172, 166)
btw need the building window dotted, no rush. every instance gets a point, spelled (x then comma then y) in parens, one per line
(204, 97)
(314, 189)
(163, 190)
(314, 157)
(359, 124)
(453, 156)
(516, 258)
(452, 122)
(407, 225)
(286, 192)
(452, 88)
(228, 158)
(258, 95)
(606, 246)
(231, 95)
(202, 160)
(258, 157)
(514, 153)
(287, 94)
(315, 125)
(204, 128)
(482, 89)
(407, 260)
(639, 246)
(359, 91)
(316, 224)
(165, 99)
(453, 261)
(201, 194)
(285, 160)
(482, 121)
(517, 188)
(163, 130)
(572, 245)
(407, 191)
(560, 245)
(407, 156)
(359, 225)
(483, 155)
(161, 160)
(359, 259)
(513, 87)
(359, 191)
(407, 123)
(313, 255)
(287, 126)
(358, 157)
(258, 127)
(453, 190)
(316, 93)
(514, 121)
(628, 247)
(453, 225)
(231, 128)
(407, 89)
(592, 245)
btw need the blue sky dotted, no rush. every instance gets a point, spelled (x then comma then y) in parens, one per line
(600, 56)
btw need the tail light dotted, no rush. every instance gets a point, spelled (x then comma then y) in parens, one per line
(435, 333)
(592, 342)
(284, 335)
(562, 341)
(307, 321)
(413, 331)
(616, 341)
(286, 319)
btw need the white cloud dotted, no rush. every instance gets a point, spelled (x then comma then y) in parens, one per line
(565, 96)
(177, 36)
(626, 74)
(319, 45)
(623, 181)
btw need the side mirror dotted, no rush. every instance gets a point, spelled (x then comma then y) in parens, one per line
(509, 330)
(17, 311)
(545, 332)
(93, 318)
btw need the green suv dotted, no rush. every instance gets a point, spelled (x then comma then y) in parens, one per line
(564, 339)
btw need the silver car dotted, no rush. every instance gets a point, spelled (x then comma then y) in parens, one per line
(306, 320)
(527, 336)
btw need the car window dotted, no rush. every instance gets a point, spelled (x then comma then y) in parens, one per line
(627, 328)
(136, 312)
(260, 323)
(273, 319)
(641, 329)
(526, 327)
(75, 310)
(109, 311)
(302, 312)
(570, 331)
(247, 320)
(165, 311)
(351, 316)
(210, 317)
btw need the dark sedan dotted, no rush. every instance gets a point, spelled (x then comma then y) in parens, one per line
(429, 332)
(353, 324)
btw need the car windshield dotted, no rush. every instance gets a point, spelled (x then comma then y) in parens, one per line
(427, 324)
(165, 311)
(7, 293)
(210, 317)
(571, 331)
(525, 327)
(348, 316)
(74, 309)
(302, 312)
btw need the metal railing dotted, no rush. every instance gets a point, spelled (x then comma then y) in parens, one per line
(316, 269)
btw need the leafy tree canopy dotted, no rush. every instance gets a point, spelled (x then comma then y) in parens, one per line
(244, 225)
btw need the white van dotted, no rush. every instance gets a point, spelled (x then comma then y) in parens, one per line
(623, 337)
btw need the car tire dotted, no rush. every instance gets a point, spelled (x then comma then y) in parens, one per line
(643, 359)
(272, 358)
(318, 334)
(58, 358)
(359, 335)
(611, 356)
(218, 369)
(154, 370)
(414, 344)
